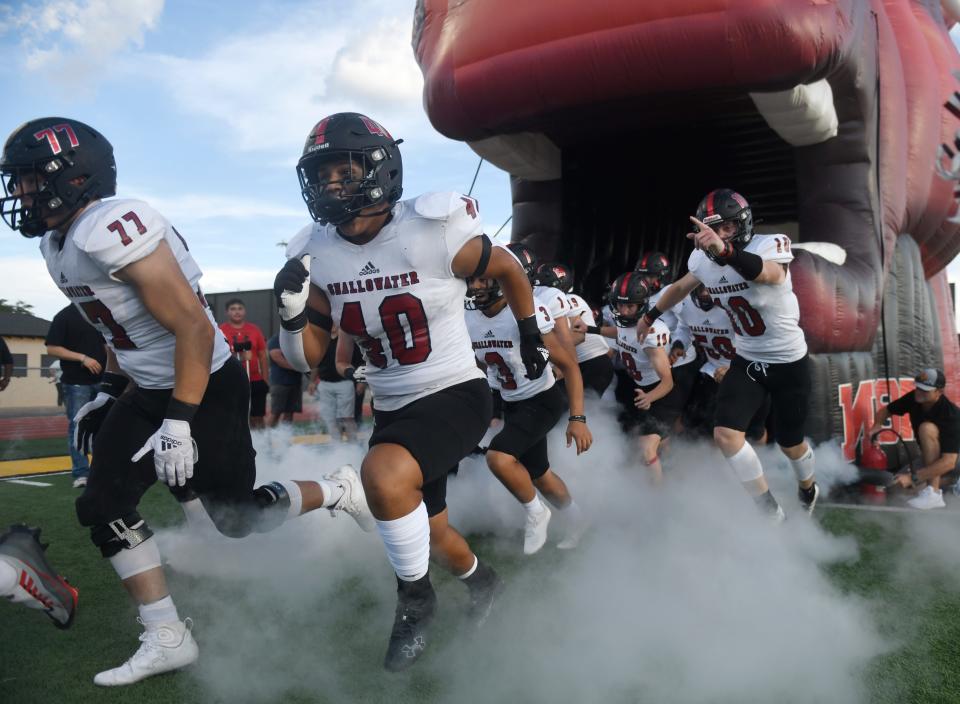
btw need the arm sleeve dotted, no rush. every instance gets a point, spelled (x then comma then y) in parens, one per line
(115, 239)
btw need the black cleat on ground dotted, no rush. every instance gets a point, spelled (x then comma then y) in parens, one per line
(485, 586)
(808, 497)
(416, 604)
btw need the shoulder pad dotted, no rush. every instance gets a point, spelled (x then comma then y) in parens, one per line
(439, 206)
(298, 243)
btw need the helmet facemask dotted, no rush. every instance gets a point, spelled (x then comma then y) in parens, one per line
(484, 297)
(355, 185)
(702, 298)
(46, 200)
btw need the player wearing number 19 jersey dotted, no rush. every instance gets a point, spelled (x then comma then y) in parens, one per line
(748, 276)
(391, 274)
(130, 273)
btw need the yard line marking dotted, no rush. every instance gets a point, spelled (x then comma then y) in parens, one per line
(40, 465)
(27, 482)
(887, 509)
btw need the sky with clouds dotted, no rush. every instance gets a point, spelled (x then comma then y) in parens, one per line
(207, 104)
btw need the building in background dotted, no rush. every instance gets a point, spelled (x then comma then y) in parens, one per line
(30, 386)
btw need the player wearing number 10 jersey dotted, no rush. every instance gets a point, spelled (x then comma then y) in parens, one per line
(130, 273)
(391, 273)
(748, 276)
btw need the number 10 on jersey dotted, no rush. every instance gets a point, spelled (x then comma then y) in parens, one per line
(405, 323)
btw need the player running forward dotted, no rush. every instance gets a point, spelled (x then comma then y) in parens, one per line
(593, 353)
(130, 273)
(748, 276)
(517, 455)
(391, 274)
(554, 299)
(654, 407)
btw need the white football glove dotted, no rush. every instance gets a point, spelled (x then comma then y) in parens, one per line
(360, 374)
(174, 452)
(88, 420)
(291, 287)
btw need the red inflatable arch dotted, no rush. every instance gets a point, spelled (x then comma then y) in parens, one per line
(614, 118)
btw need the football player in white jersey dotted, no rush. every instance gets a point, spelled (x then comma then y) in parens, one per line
(555, 299)
(748, 276)
(708, 328)
(517, 455)
(184, 397)
(654, 407)
(593, 353)
(392, 274)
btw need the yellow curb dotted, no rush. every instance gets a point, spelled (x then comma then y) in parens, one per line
(41, 465)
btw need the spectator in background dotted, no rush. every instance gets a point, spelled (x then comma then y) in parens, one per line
(286, 385)
(6, 364)
(335, 392)
(936, 426)
(249, 346)
(83, 354)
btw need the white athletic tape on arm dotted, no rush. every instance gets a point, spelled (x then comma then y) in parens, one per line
(291, 343)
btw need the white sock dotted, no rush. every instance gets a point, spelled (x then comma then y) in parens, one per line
(162, 611)
(407, 541)
(803, 466)
(476, 563)
(534, 507)
(746, 465)
(332, 492)
(141, 558)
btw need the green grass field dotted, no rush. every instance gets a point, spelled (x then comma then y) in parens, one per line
(918, 612)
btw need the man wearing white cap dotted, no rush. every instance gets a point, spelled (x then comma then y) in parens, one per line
(936, 425)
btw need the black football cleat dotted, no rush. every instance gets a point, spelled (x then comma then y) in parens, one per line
(485, 586)
(808, 497)
(416, 604)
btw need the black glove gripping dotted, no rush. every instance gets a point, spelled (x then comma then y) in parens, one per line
(534, 355)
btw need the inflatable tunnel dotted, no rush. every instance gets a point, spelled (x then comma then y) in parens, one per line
(613, 119)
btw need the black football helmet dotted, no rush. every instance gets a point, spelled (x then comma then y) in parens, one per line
(724, 205)
(629, 288)
(528, 260)
(655, 268)
(701, 298)
(554, 275)
(351, 138)
(482, 298)
(70, 163)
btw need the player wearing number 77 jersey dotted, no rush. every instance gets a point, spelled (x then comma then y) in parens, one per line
(391, 273)
(748, 276)
(183, 419)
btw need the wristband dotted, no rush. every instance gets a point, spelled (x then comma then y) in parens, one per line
(528, 326)
(349, 373)
(296, 324)
(180, 410)
(593, 329)
(113, 384)
(321, 320)
(651, 315)
(747, 264)
(577, 419)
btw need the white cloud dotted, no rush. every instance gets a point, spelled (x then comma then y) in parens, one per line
(192, 207)
(265, 89)
(219, 279)
(27, 279)
(77, 38)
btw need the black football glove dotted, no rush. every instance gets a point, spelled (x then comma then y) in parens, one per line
(91, 414)
(534, 355)
(291, 288)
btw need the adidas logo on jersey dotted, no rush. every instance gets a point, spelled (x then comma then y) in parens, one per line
(488, 334)
(369, 270)
(723, 280)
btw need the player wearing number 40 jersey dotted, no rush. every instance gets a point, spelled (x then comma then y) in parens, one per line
(748, 276)
(517, 455)
(131, 274)
(391, 273)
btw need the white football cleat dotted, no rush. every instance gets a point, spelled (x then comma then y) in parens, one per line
(164, 647)
(353, 501)
(535, 532)
(928, 498)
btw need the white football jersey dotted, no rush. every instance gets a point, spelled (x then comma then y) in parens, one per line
(398, 296)
(107, 236)
(672, 320)
(593, 345)
(554, 299)
(632, 352)
(765, 317)
(496, 343)
(711, 333)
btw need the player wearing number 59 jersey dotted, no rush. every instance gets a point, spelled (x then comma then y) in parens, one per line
(391, 274)
(748, 276)
(517, 455)
(130, 273)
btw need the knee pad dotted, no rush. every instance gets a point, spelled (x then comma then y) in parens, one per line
(120, 534)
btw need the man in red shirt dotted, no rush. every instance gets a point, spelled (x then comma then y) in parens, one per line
(250, 348)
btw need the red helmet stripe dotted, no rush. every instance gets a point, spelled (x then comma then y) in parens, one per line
(320, 131)
(710, 196)
(623, 286)
(739, 198)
